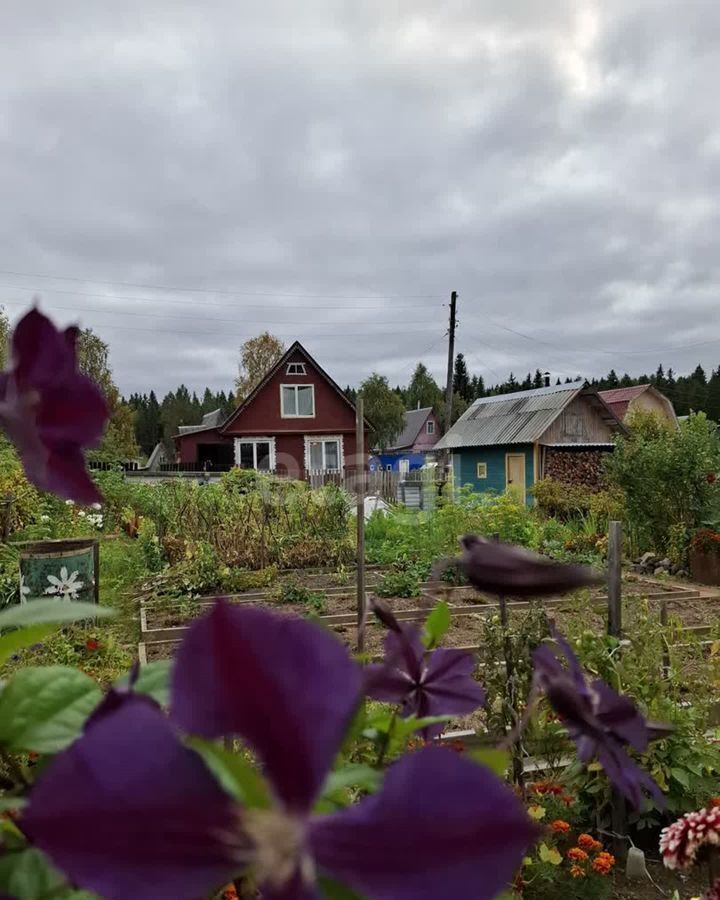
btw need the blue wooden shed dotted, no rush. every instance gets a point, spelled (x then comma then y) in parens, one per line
(510, 441)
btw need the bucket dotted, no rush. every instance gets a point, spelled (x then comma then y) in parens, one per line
(61, 570)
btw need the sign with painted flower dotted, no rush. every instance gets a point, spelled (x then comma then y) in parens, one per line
(62, 570)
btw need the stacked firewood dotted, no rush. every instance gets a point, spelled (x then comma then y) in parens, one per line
(583, 468)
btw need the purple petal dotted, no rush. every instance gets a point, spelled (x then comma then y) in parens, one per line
(42, 355)
(620, 716)
(627, 776)
(448, 687)
(404, 650)
(506, 569)
(442, 826)
(127, 811)
(382, 682)
(65, 474)
(286, 686)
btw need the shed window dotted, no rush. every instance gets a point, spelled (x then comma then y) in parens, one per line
(296, 368)
(482, 470)
(297, 401)
(430, 427)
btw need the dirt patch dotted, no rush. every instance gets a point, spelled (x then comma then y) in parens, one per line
(693, 884)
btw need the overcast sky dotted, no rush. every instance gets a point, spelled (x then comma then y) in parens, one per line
(332, 169)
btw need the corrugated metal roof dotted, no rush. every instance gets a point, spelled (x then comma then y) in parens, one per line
(623, 394)
(414, 421)
(519, 418)
(210, 420)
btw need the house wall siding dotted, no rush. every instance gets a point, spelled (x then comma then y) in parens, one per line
(425, 441)
(578, 423)
(187, 444)
(651, 403)
(465, 463)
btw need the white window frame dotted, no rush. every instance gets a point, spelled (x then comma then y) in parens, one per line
(429, 427)
(295, 368)
(313, 438)
(285, 415)
(255, 441)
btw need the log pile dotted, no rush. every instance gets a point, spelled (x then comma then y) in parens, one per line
(582, 468)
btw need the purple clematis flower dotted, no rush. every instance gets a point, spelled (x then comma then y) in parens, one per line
(506, 569)
(49, 410)
(129, 812)
(600, 721)
(435, 683)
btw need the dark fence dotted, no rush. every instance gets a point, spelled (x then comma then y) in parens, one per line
(100, 466)
(197, 468)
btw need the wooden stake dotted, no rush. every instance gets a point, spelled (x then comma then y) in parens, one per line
(618, 806)
(615, 579)
(666, 646)
(360, 454)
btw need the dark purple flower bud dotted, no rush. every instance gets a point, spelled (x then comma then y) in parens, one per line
(437, 683)
(128, 812)
(49, 410)
(600, 721)
(497, 568)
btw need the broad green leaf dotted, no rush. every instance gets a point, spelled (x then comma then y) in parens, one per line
(681, 776)
(23, 637)
(43, 612)
(153, 680)
(333, 890)
(27, 875)
(7, 803)
(492, 758)
(550, 855)
(44, 709)
(403, 728)
(236, 774)
(334, 792)
(437, 624)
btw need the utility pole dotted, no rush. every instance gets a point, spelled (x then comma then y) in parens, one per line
(450, 368)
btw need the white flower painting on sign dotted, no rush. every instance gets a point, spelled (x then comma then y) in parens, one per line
(66, 585)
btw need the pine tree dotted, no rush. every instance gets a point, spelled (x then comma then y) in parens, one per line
(423, 391)
(461, 379)
(712, 401)
(538, 379)
(527, 383)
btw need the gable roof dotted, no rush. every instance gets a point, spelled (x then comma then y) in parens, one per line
(619, 399)
(415, 420)
(296, 345)
(518, 418)
(210, 420)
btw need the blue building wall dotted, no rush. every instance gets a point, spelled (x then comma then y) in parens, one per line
(465, 465)
(383, 460)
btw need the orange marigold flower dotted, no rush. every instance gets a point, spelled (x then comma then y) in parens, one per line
(230, 893)
(567, 800)
(603, 863)
(586, 842)
(577, 855)
(560, 827)
(577, 872)
(714, 802)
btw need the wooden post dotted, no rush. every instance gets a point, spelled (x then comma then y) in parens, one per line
(618, 805)
(360, 455)
(615, 579)
(663, 636)
(450, 370)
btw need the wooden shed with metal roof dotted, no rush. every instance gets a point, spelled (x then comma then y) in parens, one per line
(510, 441)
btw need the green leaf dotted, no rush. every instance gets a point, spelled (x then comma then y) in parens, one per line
(403, 728)
(42, 612)
(492, 758)
(237, 775)
(23, 637)
(7, 803)
(27, 875)
(44, 709)
(335, 789)
(681, 776)
(153, 680)
(333, 890)
(437, 624)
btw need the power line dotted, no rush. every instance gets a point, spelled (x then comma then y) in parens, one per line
(234, 320)
(193, 290)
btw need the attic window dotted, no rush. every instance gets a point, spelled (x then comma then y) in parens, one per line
(296, 368)
(430, 427)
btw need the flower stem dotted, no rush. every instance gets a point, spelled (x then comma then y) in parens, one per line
(385, 742)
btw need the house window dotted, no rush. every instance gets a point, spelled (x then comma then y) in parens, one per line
(388, 467)
(323, 454)
(295, 368)
(482, 470)
(430, 427)
(297, 401)
(255, 453)
(404, 466)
